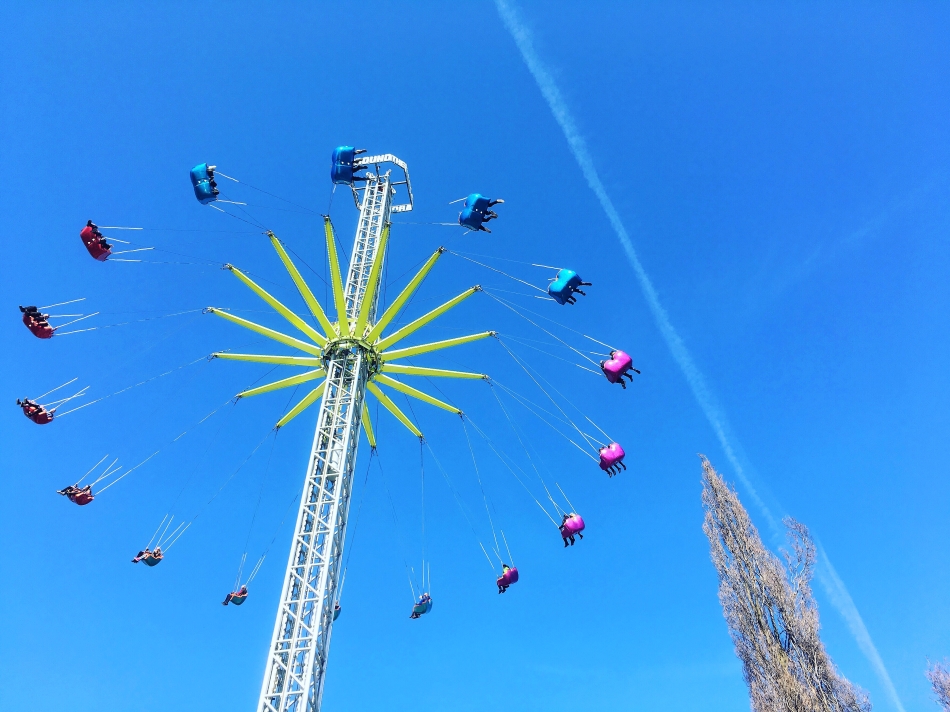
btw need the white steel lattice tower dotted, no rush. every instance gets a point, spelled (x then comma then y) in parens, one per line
(297, 659)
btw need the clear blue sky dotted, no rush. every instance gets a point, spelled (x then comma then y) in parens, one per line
(782, 172)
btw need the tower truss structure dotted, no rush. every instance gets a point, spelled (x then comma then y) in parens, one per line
(349, 357)
(300, 643)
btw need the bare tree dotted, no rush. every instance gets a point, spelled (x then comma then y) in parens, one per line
(939, 676)
(771, 613)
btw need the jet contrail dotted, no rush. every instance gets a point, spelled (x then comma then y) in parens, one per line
(841, 599)
(839, 595)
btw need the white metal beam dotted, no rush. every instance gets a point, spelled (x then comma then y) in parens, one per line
(297, 659)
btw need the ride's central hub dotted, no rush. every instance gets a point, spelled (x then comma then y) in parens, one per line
(344, 346)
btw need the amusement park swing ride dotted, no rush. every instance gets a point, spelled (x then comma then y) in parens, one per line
(353, 353)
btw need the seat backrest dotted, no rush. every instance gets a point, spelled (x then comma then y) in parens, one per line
(199, 173)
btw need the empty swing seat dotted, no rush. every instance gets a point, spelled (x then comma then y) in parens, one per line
(201, 178)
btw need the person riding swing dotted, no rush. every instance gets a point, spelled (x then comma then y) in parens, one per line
(35, 412)
(567, 533)
(77, 495)
(236, 597)
(423, 606)
(150, 558)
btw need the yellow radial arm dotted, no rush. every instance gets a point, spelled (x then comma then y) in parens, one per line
(335, 279)
(432, 372)
(425, 319)
(410, 391)
(279, 360)
(269, 333)
(403, 297)
(393, 408)
(302, 287)
(284, 383)
(278, 307)
(368, 426)
(372, 283)
(434, 346)
(311, 398)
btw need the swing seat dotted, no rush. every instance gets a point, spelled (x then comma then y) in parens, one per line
(474, 211)
(574, 525)
(38, 329)
(509, 577)
(94, 244)
(98, 252)
(611, 455)
(151, 560)
(82, 499)
(238, 600)
(342, 165)
(205, 193)
(201, 182)
(423, 606)
(337, 612)
(619, 363)
(40, 418)
(564, 285)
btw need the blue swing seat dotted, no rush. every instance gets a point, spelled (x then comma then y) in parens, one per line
(564, 285)
(342, 165)
(474, 212)
(201, 182)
